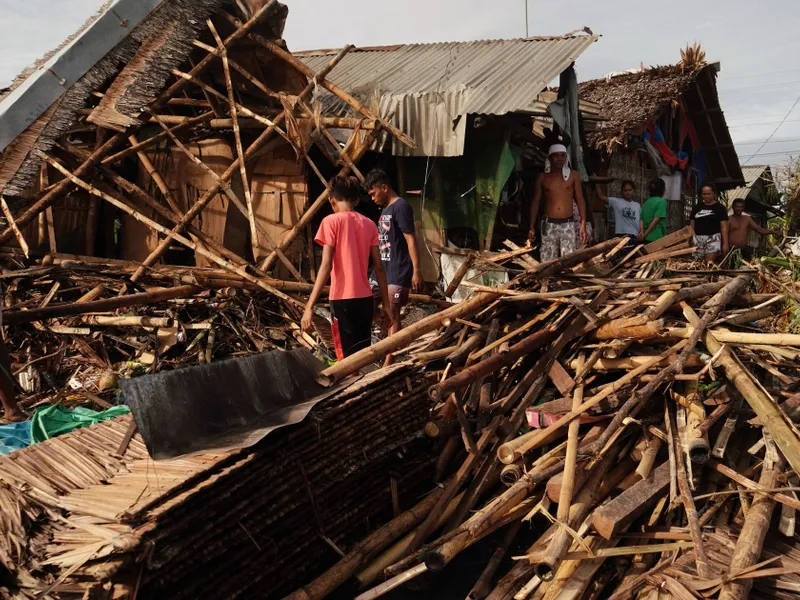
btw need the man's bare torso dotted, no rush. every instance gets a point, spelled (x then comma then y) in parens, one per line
(737, 230)
(558, 195)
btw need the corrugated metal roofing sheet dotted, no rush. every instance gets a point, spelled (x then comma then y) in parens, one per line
(53, 78)
(432, 87)
(751, 174)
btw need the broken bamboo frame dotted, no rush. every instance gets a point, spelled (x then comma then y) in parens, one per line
(203, 201)
(17, 317)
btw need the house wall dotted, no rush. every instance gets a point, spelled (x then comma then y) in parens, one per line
(279, 193)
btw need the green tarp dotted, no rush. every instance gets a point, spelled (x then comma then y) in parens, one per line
(51, 421)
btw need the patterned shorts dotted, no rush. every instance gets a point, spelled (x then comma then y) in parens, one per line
(558, 239)
(708, 244)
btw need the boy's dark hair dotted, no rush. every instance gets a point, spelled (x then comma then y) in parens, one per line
(739, 201)
(657, 187)
(345, 189)
(627, 182)
(375, 178)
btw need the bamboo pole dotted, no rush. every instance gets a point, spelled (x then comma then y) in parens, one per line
(554, 552)
(460, 274)
(396, 552)
(128, 321)
(405, 336)
(378, 351)
(242, 29)
(92, 294)
(481, 588)
(701, 557)
(697, 444)
(751, 538)
(598, 483)
(228, 190)
(393, 583)
(18, 317)
(131, 188)
(303, 69)
(740, 338)
(155, 139)
(13, 225)
(492, 364)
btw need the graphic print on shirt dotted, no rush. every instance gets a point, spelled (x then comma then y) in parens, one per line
(629, 213)
(384, 245)
(706, 212)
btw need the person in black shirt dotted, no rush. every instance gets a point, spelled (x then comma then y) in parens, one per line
(710, 226)
(397, 243)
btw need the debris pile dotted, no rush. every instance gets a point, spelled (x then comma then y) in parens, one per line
(184, 316)
(239, 522)
(615, 414)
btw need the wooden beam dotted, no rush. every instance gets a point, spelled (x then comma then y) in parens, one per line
(614, 517)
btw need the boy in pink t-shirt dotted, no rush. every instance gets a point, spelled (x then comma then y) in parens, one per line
(348, 241)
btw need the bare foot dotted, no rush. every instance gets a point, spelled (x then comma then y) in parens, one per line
(15, 417)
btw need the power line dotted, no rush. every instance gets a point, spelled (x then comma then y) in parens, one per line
(796, 151)
(796, 102)
(759, 87)
(760, 124)
(784, 141)
(762, 74)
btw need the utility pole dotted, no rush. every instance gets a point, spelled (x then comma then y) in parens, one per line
(526, 18)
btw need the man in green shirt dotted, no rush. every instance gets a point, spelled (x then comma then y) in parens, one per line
(654, 212)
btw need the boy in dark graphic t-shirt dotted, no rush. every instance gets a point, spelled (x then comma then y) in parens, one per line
(397, 244)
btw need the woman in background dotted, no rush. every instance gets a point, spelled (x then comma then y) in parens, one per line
(709, 225)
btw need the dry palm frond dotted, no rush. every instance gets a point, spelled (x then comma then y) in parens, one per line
(693, 58)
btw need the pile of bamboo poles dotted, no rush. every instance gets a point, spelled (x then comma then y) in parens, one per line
(244, 524)
(616, 424)
(69, 345)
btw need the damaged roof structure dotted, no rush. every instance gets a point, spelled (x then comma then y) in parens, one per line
(663, 121)
(433, 88)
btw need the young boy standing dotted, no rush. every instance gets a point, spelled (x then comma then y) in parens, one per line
(348, 241)
(398, 244)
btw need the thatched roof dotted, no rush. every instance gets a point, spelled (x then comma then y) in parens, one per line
(140, 65)
(630, 100)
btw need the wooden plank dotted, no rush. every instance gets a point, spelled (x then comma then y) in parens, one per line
(673, 238)
(561, 379)
(679, 250)
(612, 518)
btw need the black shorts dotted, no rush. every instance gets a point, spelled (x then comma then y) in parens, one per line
(747, 252)
(352, 325)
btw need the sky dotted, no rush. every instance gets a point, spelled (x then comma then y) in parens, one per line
(757, 43)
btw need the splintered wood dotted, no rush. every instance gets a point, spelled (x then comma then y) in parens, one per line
(593, 423)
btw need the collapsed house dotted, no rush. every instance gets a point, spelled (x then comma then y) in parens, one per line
(662, 122)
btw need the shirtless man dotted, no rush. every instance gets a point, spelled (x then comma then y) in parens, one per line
(738, 226)
(560, 186)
